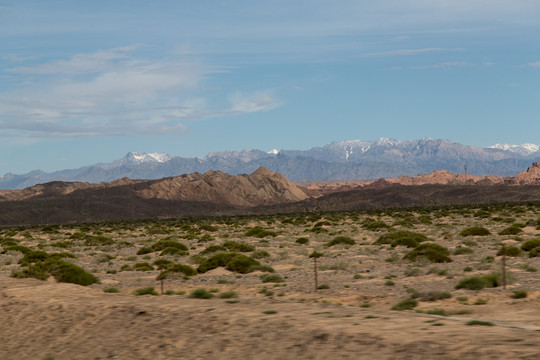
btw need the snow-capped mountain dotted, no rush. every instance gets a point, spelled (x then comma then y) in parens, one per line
(144, 158)
(523, 149)
(345, 160)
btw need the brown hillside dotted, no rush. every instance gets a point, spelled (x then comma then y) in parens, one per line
(262, 187)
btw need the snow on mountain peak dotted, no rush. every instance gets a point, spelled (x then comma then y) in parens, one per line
(523, 149)
(274, 151)
(140, 158)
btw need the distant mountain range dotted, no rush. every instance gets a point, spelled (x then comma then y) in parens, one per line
(346, 160)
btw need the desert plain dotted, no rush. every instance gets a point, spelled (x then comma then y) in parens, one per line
(379, 293)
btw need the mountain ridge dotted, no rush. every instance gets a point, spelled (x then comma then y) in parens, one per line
(345, 160)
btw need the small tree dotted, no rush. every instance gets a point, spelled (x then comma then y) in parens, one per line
(315, 255)
(162, 276)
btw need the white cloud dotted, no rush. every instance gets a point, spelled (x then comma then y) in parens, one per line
(112, 93)
(242, 104)
(532, 64)
(79, 64)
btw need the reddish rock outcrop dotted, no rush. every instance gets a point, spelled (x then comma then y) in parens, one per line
(531, 176)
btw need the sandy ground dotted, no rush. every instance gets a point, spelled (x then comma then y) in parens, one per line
(350, 319)
(47, 320)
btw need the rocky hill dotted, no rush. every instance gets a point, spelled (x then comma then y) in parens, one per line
(211, 193)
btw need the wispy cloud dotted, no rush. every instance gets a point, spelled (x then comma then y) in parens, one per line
(114, 93)
(402, 52)
(532, 64)
(443, 65)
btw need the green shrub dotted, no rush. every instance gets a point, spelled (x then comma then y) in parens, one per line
(519, 294)
(145, 291)
(242, 264)
(375, 225)
(162, 263)
(145, 250)
(462, 250)
(512, 251)
(173, 251)
(212, 249)
(535, 252)
(97, 240)
(430, 251)
(180, 268)
(19, 248)
(260, 254)
(201, 293)
(401, 238)
(530, 244)
(511, 230)
(478, 282)
(323, 287)
(259, 232)
(475, 231)
(273, 278)
(33, 256)
(163, 244)
(338, 240)
(111, 290)
(228, 295)
(264, 268)
(302, 240)
(480, 323)
(238, 246)
(126, 267)
(231, 261)
(143, 266)
(208, 227)
(406, 304)
(70, 273)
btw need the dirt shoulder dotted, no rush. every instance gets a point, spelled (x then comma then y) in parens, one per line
(65, 321)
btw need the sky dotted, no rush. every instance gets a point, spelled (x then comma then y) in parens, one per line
(84, 82)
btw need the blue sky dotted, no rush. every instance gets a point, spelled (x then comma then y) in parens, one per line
(83, 82)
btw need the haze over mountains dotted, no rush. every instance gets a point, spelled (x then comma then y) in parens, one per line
(346, 160)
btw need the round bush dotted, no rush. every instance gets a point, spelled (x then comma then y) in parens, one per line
(238, 246)
(201, 293)
(530, 244)
(535, 252)
(430, 251)
(145, 291)
(472, 283)
(71, 273)
(402, 238)
(242, 264)
(302, 240)
(511, 230)
(509, 251)
(231, 261)
(345, 240)
(406, 304)
(184, 269)
(273, 278)
(475, 231)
